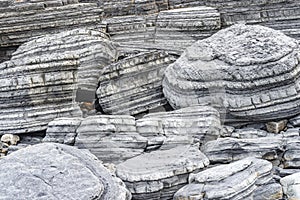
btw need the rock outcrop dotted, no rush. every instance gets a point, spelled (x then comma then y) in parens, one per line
(237, 180)
(56, 171)
(133, 85)
(251, 71)
(159, 174)
(196, 124)
(47, 75)
(291, 186)
(112, 139)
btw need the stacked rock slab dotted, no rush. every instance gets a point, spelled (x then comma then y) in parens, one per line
(41, 80)
(251, 71)
(133, 85)
(159, 174)
(184, 126)
(291, 157)
(112, 139)
(290, 185)
(237, 180)
(56, 171)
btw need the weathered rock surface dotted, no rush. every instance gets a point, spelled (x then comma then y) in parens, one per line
(237, 180)
(133, 85)
(195, 124)
(47, 75)
(291, 186)
(157, 175)
(56, 171)
(252, 71)
(112, 139)
(291, 157)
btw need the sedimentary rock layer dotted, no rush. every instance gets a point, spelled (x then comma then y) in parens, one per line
(56, 171)
(237, 180)
(46, 75)
(290, 185)
(157, 175)
(112, 139)
(133, 85)
(184, 126)
(251, 71)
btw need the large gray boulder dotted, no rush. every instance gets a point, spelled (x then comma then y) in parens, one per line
(55, 171)
(291, 186)
(248, 70)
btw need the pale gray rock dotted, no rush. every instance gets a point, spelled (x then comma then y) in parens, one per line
(112, 138)
(295, 121)
(291, 157)
(166, 130)
(56, 171)
(248, 70)
(133, 85)
(159, 174)
(291, 186)
(276, 127)
(47, 75)
(237, 180)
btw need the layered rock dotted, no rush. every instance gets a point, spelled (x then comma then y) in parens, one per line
(251, 71)
(291, 157)
(112, 139)
(237, 180)
(157, 175)
(57, 172)
(184, 126)
(133, 85)
(290, 185)
(46, 75)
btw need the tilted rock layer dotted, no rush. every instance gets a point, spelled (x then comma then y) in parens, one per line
(251, 71)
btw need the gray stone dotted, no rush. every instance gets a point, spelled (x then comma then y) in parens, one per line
(56, 171)
(276, 127)
(157, 175)
(248, 70)
(291, 157)
(291, 186)
(237, 180)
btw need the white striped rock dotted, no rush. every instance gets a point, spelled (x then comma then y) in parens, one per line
(184, 126)
(159, 174)
(47, 75)
(237, 180)
(291, 157)
(133, 85)
(251, 71)
(55, 171)
(112, 138)
(291, 186)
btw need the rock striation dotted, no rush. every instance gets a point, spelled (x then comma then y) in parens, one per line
(237, 180)
(113, 139)
(251, 71)
(166, 130)
(47, 75)
(57, 172)
(159, 174)
(133, 85)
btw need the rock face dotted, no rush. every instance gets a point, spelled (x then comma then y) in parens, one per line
(291, 157)
(183, 126)
(237, 180)
(46, 75)
(57, 172)
(249, 70)
(112, 139)
(157, 175)
(133, 85)
(290, 185)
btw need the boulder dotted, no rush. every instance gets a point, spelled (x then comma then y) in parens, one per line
(251, 71)
(159, 174)
(56, 171)
(291, 186)
(237, 180)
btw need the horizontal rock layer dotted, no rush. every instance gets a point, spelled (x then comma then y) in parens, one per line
(157, 175)
(133, 85)
(249, 71)
(42, 79)
(57, 172)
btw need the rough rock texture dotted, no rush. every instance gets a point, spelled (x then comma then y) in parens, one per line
(112, 139)
(295, 121)
(237, 180)
(157, 175)
(46, 75)
(62, 130)
(133, 85)
(183, 126)
(252, 71)
(291, 157)
(291, 186)
(56, 171)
